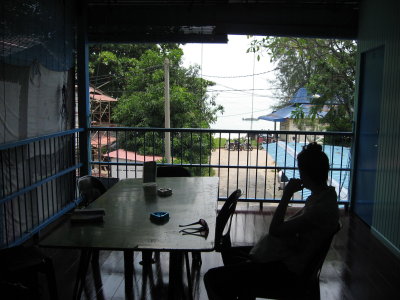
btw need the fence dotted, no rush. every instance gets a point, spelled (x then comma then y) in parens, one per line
(258, 162)
(37, 179)
(38, 175)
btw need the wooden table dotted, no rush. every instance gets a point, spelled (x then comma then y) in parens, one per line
(127, 226)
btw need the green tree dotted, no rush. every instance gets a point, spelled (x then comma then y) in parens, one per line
(142, 104)
(326, 67)
(140, 76)
(110, 65)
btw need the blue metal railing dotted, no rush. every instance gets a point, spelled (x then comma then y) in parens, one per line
(38, 175)
(37, 180)
(254, 165)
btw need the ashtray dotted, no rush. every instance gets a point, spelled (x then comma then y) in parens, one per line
(164, 192)
(159, 217)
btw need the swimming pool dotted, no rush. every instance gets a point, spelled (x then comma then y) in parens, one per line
(339, 158)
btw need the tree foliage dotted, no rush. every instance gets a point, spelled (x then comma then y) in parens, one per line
(142, 104)
(135, 74)
(111, 65)
(326, 67)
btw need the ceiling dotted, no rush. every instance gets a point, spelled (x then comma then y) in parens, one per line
(211, 21)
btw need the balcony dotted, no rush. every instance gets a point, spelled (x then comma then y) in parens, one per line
(39, 186)
(357, 266)
(254, 161)
(39, 175)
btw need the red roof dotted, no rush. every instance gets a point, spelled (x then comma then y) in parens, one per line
(98, 95)
(104, 140)
(105, 98)
(129, 155)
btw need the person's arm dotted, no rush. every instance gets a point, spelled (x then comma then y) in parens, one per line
(280, 227)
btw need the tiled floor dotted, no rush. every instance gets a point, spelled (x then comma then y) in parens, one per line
(358, 267)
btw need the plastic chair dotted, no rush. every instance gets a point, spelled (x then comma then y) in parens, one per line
(223, 228)
(19, 267)
(307, 287)
(173, 171)
(108, 182)
(90, 188)
(222, 232)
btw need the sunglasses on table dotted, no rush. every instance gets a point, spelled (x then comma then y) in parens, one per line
(200, 231)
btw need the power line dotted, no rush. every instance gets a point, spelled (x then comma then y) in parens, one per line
(159, 66)
(242, 114)
(102, 79)
(242, 90)
(245, 94)
(239, 76)
(106, 76)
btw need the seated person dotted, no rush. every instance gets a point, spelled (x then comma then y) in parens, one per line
(276, 261)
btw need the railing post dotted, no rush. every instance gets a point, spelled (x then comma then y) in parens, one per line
(257, 175)
(83, 87)
(167, 111)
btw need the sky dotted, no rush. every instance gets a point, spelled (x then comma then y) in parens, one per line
(232, 69)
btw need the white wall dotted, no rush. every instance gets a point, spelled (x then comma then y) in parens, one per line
(127, 171)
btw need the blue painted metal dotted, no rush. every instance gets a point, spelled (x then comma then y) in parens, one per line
(39, 183)
(207, 130)
(367, 133)
(52, 209)
(39, 138)
(106, 163)
(50, 220)
(83, 87)
(123, 166)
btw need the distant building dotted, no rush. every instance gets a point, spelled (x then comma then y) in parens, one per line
(101, 143)
(100, 113)
(125, 170)
(284, 116)
(100, 107)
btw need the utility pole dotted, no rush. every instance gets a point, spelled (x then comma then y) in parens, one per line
(167, 136)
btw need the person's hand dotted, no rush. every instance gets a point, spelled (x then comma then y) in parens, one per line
(294, 185)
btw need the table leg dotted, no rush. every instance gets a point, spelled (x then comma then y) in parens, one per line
(97, 274)
(189, 278)
(175, 288)
(147, 258)
(84, 261)
(128, 270)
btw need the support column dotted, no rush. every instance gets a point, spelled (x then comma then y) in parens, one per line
(83, 86)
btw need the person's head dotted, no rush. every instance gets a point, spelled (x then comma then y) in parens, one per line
(313, 164)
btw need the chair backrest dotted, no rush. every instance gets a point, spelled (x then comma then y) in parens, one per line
(90, 188)
(108, 181)
(222, 235)
(173, 171)
(312, 272)
(307, 285)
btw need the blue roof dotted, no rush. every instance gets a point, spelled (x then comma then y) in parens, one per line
(301, 99)
(279, 115)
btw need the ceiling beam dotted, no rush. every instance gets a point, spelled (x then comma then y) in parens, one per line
(163, 21)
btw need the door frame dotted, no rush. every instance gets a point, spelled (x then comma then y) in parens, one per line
(356, 142)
